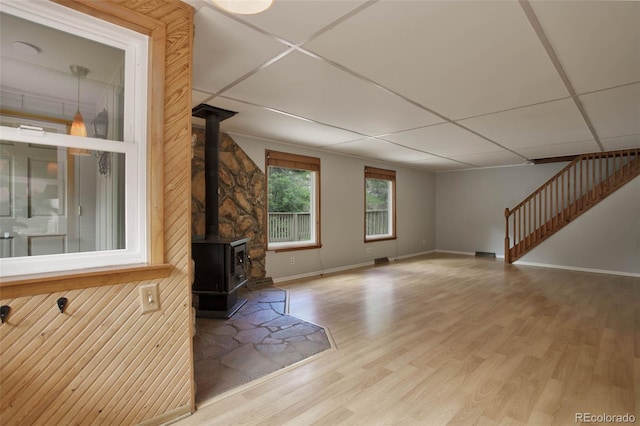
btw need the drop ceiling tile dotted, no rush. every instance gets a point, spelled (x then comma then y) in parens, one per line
(488, 159)
(559, 150)
(614, 112)
(621, 142)
(318, 91)
(198, 97)
(295, 21)
(597, 42)
(379, 150)
(259, 122)
(443, 139)
(437, 164)
(459, 58)
(225, 50)
(544, 124)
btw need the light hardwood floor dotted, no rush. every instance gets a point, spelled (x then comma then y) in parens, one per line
(444, 339)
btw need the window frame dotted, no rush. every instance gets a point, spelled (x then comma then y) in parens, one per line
(381, 174)
(298, 162)
(137, 49)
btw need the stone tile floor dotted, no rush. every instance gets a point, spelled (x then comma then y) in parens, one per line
(259, 339)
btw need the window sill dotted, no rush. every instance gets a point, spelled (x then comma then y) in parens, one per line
(30, 285)
(294, 248)
(385, 238)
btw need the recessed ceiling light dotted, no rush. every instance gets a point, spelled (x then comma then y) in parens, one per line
(26, 48)
(244, 7)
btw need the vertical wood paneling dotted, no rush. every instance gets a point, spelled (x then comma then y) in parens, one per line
(102, 361)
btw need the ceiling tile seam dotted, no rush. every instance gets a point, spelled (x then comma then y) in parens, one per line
(235, 17)
(554, 144)
(426, 152)
(328, 151)
(402, 146)
(621, 136)
(284, 41)
(320, 123)
(546, 44)
(293, 46)
(337, 22)
(290, 45)
(337, 128)
(513, 109)
(619, 86)
(410, 129)
(288, 114)
(249, 74)
(406, 99)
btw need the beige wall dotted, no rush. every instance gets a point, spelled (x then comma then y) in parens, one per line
(342, 214)
(470, 217)
(102, 361)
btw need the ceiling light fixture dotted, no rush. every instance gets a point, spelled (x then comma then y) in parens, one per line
(243, 7)
(26, 48)
(78, 127)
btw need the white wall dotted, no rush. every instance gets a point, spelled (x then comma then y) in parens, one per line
(342, 213)
(606, 238)
(470, 217)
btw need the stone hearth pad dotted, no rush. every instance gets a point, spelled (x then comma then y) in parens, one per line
(259, 339)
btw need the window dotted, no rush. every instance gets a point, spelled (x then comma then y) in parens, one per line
(293, 201)
(71, 202)
(380, 204)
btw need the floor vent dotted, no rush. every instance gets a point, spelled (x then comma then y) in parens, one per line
(485, 254)
(381, 260)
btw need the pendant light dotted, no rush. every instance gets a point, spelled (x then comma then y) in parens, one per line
(78, 127)
(244, 7)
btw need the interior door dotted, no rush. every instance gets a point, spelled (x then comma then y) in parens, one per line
(33, 200)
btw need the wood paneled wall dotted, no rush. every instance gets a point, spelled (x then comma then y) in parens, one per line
(102, 361)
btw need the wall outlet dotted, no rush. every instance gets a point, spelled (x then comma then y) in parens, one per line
(149, 298)
(368, 250)
(293, 260)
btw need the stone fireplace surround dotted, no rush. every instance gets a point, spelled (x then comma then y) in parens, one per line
(241, 199)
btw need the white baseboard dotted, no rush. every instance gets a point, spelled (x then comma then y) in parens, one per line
(575, 268)
(463, 253)
(318, 273)
(407, 256)
(344, 268)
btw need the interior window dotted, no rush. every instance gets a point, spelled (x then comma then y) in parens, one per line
(72, 141)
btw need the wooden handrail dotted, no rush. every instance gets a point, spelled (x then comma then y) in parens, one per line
(578, 186)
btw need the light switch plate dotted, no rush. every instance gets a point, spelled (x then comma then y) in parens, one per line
(149, 298)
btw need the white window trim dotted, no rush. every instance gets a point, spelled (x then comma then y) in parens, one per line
(136, 48)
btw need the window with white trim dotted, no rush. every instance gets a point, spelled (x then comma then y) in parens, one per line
(293, 201)
(380, 204)
(69, 201)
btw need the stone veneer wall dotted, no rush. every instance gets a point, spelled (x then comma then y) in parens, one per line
(240, 200)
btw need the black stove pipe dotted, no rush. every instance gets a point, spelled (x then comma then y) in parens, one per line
(213, 116)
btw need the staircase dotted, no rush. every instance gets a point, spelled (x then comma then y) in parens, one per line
(582, 184)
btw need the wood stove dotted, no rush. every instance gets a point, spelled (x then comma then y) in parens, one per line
(220, 272)
(220, 264)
